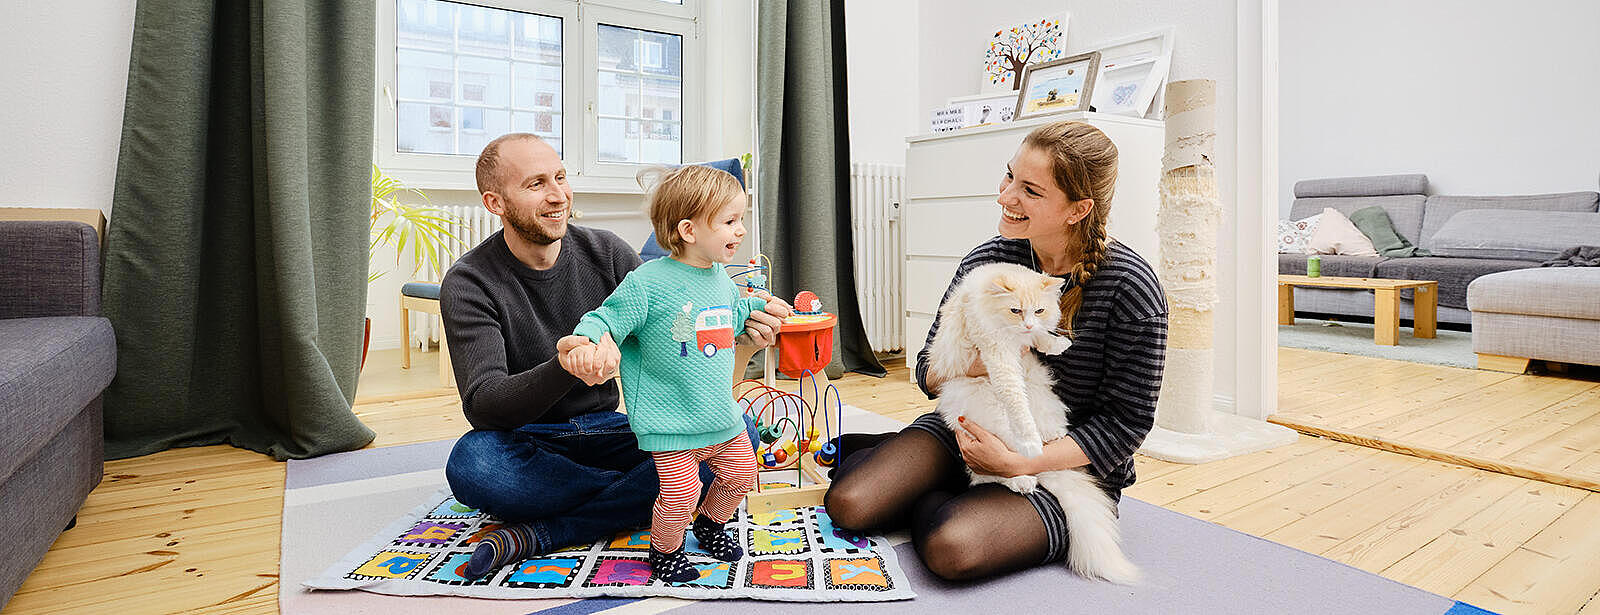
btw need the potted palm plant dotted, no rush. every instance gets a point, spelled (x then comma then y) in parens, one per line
(402, 217)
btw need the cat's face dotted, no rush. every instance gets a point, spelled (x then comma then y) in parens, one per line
(1028, 302)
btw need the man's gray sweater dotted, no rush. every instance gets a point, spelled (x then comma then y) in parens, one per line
(503, 319)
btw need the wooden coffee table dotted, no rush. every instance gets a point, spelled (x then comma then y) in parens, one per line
(1386, 310)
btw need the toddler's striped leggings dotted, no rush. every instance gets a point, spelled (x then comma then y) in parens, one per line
(735, 466)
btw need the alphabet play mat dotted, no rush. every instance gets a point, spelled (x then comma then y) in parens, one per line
(791, 555)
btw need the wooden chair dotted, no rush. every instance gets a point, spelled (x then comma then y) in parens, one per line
(422, 297)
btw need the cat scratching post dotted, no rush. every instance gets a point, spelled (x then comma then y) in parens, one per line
(1188, 427)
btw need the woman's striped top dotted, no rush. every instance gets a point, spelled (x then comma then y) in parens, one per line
(1111, 376)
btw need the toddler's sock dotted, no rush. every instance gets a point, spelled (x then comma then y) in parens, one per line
(510, 543)
(672, 567)
(715, 540)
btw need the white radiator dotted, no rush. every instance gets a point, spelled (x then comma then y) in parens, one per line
(474, 224)
(877, 192)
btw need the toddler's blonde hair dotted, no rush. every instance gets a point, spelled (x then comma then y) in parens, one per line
(690, 192)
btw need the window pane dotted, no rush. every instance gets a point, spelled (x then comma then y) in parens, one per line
(484, 31)
(485, 82)
(478, 126)
(614, 144)
(456, 81)
(538, 87)
(425, 128)
(663, 99)
(640, 95)
(424, 24)
(425, 75)
(619, 94)
(538, 38)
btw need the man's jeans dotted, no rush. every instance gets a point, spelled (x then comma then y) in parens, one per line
(573, 482)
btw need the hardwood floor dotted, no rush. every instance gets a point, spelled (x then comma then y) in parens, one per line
(1533, 426)
(197, 530)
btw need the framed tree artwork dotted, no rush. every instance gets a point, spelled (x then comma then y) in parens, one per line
(1013, 48)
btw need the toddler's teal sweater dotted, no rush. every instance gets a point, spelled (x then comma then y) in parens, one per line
(675, 324)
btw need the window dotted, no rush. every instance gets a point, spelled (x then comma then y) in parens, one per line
(641, 78)
(611, 84)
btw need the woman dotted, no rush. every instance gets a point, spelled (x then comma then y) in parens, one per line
(1054, 201)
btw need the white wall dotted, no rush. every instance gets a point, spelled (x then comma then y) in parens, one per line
(881, 73)
(1485, 97)
(951, 46)
(65, 71)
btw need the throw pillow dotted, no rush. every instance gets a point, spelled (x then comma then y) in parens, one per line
(1514, 234)
(1336, 235)
(1294, 234)
(1374, 222)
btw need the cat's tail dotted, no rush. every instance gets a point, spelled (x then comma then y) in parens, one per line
(1094, 548)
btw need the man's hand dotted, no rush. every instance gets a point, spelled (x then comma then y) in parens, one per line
(761, 329)
(777, 307)
(590, 362)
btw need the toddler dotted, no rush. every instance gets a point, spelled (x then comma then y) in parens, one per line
(674, 320)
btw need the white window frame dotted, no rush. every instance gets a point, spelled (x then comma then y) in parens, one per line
(693, 87)
(580, 91)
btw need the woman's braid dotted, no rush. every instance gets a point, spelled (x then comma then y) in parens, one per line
(1084, 163)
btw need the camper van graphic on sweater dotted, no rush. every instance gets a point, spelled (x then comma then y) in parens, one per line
(707, 329)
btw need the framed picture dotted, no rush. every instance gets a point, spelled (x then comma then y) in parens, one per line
(986, 108)
(1132, 71)
(1013, 47)
(1055, 87)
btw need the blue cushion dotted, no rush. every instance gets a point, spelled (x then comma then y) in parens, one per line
(653, 250)
(730, 165)
(425, 290)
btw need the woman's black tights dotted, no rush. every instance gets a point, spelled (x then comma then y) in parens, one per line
(890, 481)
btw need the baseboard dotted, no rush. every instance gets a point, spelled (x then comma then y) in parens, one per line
(392, 342)
(1224, 404)
(387, 342)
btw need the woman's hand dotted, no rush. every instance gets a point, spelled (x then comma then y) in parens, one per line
(979, 370)
(986, 454)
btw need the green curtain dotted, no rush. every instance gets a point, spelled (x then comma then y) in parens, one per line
(235, 270)
(805, 166)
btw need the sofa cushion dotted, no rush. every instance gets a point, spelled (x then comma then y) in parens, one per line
(1405, 211)
(1515, 234)
(1567, 292)
(1374, 222)
(1452, 274)
(1377, 185)
(1440, 209)
(49, 369)
(1293, 235)
(1332, 265)
(1335, 234)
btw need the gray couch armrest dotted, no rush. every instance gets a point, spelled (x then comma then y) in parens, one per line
(49, 269)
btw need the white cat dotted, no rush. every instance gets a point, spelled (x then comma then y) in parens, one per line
(997, 311)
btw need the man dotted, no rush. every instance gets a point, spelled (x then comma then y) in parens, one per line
(548, 452)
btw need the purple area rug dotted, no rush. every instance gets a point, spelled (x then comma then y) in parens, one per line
(335, 503)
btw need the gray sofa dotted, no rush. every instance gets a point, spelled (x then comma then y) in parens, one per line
(1419, 218)
(1549, 314)
(56, 357)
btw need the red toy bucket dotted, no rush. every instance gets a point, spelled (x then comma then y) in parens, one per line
(806, 344)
